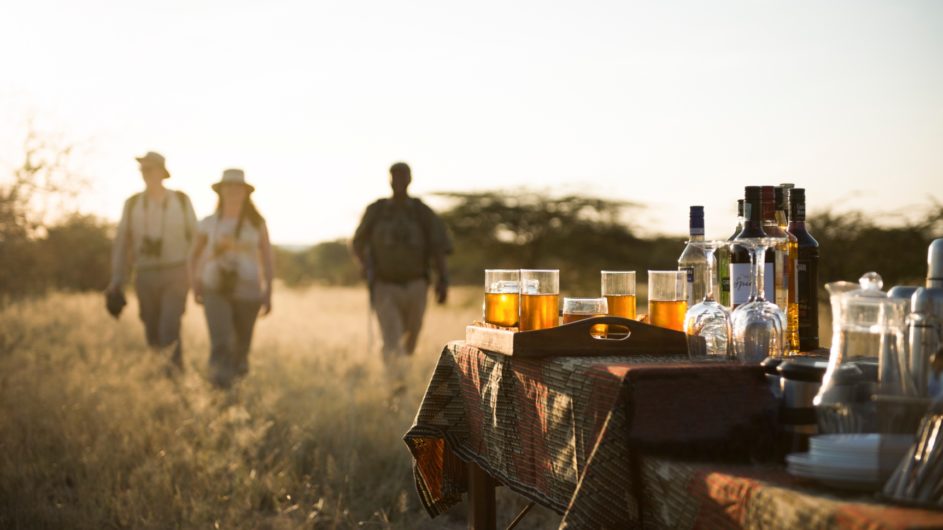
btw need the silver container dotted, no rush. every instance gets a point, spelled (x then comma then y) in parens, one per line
(935, 264)
(800, 378)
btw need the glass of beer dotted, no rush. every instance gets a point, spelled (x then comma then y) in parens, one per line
(540, 299)
(502, 296)
(667, 299)
(619, 289)
(575, 309)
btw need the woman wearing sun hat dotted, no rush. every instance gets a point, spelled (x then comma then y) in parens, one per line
(232, 269)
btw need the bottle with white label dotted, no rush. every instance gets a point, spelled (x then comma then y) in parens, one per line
(741, 274)
(693, 260)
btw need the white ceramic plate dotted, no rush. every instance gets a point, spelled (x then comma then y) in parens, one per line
(805, 464)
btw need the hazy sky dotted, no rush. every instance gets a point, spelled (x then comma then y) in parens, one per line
(665, 103)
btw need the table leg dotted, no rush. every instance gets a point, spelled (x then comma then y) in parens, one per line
(482, 513)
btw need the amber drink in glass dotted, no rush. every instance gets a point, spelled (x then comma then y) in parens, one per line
(619, 289)
(540, 299)
(502, 297)
(667, 299)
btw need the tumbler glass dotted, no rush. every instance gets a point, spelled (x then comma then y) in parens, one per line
(502, 297)
(619, 289)
(575, 309)
(667, 299)
(540, 299)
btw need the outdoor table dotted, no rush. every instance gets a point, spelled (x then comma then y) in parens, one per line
(619, 442)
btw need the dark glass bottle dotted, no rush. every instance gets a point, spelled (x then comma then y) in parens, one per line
(741, 275)
(807, 272)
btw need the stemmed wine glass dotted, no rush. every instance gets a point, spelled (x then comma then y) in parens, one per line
(759, 325)
(709, 319)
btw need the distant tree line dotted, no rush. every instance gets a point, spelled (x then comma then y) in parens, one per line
(582, 235)
(578, 234)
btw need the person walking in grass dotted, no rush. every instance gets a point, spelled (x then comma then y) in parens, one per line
(232, 267)
(398, 240)
(153, 241)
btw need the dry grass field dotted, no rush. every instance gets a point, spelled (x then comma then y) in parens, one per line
(94, 435)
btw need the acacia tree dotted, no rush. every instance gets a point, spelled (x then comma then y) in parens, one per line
(525, 229)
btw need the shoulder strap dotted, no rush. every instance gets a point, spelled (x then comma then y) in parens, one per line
(187, 229)
(129, 209)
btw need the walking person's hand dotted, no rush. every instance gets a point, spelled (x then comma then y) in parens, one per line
(113, 287)
(441, 291)
(266, 302)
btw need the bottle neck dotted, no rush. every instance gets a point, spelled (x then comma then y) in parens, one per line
(797, 226)
(781, 219)
(752, 217)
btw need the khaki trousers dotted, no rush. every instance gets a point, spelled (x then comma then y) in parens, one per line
(230, 322)
(400, 308)
(162, 299)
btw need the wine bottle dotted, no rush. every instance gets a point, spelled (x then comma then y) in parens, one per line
(807, 272)
(741, 275)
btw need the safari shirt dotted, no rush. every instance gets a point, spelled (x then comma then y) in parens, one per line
(170, 221)
(243, 257)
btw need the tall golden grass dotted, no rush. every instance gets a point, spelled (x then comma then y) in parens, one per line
(93, 434)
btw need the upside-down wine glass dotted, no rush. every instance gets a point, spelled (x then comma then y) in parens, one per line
(758, 325)
(709, 319)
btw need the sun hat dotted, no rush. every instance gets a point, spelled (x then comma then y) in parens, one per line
(233, 176)
(153, 159)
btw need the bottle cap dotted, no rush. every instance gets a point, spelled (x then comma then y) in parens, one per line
(769, 202)
(780, 194)
(697, 220)
(796, 199)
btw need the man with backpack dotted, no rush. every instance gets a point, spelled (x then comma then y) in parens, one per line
(153, 239)
(398, 240)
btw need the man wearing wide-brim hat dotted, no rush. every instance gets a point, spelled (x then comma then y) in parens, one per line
(153, 242)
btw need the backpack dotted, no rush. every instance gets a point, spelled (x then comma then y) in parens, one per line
(182, 197)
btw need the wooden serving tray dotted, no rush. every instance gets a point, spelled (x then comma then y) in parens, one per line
(575, 340)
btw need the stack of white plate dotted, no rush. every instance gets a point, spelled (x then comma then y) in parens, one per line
(851, 461)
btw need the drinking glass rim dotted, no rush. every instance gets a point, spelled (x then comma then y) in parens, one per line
(539, 270)
(584, 299)
(502, 270)
(618, 272)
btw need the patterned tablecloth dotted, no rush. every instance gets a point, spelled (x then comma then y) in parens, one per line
(618, 442)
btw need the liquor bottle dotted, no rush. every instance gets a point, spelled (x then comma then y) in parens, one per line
(787, 258)
(741, 275)
(693, 260)
(807, 272)
(723, 260)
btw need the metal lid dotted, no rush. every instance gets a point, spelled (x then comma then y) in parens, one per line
(935, 264)
(902, 291)
(921, 301)
(807, 369)
(770, 364)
